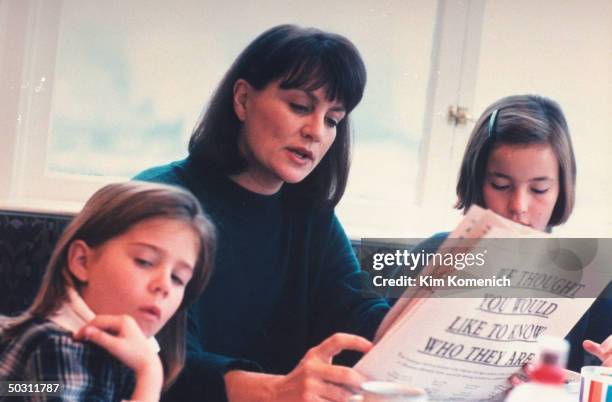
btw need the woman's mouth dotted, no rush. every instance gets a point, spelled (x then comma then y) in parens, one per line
(301, 153)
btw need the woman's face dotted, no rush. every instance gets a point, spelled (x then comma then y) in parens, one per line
(286, 133)
(522, 183)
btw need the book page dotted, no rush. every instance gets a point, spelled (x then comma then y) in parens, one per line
(463, 346)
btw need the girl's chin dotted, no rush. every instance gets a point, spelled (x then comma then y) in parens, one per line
(147, 329)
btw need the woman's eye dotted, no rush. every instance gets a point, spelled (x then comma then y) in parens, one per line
(298, 107)
(142, 262)
(500, 186)
(539, 191)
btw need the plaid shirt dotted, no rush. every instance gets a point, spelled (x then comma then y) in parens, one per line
(46, 352)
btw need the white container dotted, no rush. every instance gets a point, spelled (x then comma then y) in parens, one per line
(596, 384)
(553, 357)
(386, 391)
(534, 392)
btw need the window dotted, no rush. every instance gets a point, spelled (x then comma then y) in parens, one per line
(100, 91)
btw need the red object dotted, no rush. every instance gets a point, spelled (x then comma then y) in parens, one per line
(595, 391)
(547, 374)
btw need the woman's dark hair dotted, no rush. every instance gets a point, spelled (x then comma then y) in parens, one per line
(519, 120)
(304, 58)
(110, 212)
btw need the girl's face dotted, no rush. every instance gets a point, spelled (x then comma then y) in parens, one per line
(286, 133)
(522, 183)
(142, 272)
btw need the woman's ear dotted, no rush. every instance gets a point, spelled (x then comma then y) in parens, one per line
(241, 93)
(79, 256)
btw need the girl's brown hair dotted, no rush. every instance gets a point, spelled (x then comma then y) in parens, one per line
(110, 212)
(519, 120)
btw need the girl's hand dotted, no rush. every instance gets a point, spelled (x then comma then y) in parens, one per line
(521, 376)
(122, 337)
(314, 379)
(602, 351)
(515, 380)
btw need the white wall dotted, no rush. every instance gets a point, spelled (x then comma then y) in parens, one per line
(563, 50)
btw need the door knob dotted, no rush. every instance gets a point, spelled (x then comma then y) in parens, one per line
(458, 115)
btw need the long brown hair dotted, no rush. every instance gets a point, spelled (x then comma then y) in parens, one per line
(304, 58)
(110, 212)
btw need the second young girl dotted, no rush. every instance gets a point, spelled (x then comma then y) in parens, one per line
(519, 163)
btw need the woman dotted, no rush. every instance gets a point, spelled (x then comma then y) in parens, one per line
(269, 161)
(520, 164)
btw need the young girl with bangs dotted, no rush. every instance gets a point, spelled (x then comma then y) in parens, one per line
(519, 163)
(123, 272)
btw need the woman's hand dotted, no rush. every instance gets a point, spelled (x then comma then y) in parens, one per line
(122, 337)
(602, 351)
(314, 379)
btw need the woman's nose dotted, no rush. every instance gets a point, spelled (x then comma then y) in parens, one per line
(314, 127)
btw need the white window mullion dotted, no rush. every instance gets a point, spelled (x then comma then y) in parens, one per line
(14, 17)
(36, 100)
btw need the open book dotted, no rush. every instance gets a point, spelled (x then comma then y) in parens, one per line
(463, 343)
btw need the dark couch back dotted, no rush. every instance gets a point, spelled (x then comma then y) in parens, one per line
(26, 243)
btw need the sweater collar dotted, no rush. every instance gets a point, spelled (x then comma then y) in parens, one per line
(75, 313)
(233, 193)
